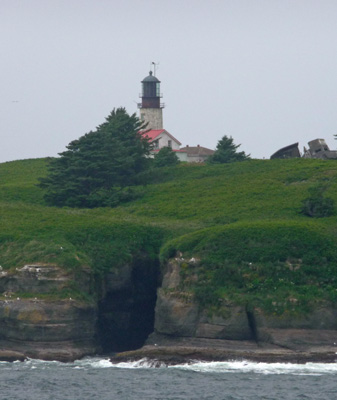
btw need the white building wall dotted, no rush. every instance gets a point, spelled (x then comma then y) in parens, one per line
(166, 141)
(196, 158)
(182, 156)
(154, 117)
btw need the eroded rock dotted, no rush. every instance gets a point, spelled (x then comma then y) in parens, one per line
(178, 315)
(318, 328)
(40, 327)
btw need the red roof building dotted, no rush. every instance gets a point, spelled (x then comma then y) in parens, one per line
(161, 138)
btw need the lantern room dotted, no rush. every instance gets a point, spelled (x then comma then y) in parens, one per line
(151, 92)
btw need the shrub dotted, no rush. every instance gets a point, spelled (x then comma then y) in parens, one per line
(316, 205)
(165, 157)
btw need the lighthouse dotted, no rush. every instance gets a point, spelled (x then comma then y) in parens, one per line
(151, 109)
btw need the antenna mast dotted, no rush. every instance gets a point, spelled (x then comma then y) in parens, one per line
(155, 65)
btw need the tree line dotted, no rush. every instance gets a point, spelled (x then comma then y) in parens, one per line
(104, 167)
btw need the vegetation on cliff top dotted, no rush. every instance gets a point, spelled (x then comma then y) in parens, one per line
(229, 214)
(274, 265)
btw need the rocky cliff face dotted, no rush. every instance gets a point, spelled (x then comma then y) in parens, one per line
(309, 331)
(52, 330)
(34, 325)
(177, 315)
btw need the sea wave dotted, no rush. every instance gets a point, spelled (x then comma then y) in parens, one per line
(239, 366)
(227, 367)
(261, 368)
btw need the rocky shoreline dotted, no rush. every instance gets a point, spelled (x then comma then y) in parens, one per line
(11, 356)
(158, 355)
(173, 355)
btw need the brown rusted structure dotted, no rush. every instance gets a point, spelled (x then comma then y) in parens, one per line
(317, 149)
(290, 151)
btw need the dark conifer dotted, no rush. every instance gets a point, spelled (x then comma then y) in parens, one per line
(101, 167)
(226, 152)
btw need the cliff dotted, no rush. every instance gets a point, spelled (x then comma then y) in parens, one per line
(180, 315)
(208, 261)
(37, 326)
(37, 320)
(184, 331)
(175, 326)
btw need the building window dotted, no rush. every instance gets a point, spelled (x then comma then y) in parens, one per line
(169, 143)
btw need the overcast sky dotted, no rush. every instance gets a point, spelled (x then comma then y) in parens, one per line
(261, 71)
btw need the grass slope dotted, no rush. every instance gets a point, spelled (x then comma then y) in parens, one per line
(243, 220)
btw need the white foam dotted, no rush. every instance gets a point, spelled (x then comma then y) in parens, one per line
(197, 366)
(143, 363)
(261, 368)
(228, 367)
(93, 362)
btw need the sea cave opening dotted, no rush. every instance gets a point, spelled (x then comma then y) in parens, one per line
(126, 313)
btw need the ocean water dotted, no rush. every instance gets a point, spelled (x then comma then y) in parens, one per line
(97, 378)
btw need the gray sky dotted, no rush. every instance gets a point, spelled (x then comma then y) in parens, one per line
(261, 71)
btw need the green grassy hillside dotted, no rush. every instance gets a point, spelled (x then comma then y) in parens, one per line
(233, 216)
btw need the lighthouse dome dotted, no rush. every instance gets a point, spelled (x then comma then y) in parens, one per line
(150, 78)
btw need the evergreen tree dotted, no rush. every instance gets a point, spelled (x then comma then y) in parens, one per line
(226, 152)
(99, 168)
(165, 157)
